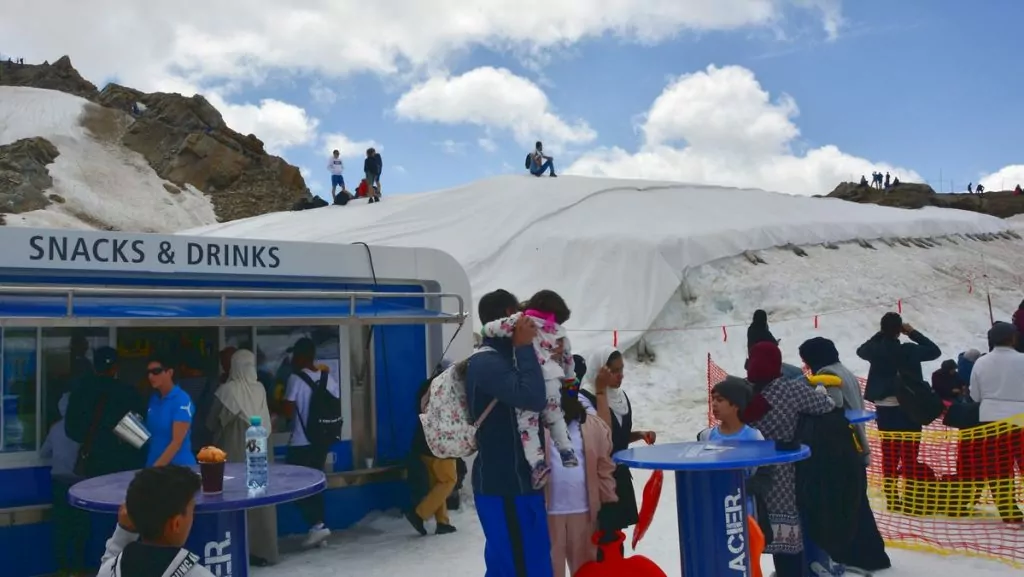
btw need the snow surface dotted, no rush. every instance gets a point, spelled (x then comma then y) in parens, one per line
(615, 249)
(104, 184)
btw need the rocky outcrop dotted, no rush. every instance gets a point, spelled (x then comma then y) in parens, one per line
(184, 139)
(187, 142)
(1002, 204)
(24, 178)
(60, 75)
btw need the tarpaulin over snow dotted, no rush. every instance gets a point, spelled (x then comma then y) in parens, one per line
(615, 249)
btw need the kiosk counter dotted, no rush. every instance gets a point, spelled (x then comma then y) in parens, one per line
(381, 317)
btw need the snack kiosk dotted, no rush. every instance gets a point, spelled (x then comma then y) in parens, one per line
(381, 317)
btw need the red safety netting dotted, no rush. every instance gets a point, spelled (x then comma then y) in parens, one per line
(944, 490)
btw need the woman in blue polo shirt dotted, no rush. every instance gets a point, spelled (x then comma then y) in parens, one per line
(169, 418)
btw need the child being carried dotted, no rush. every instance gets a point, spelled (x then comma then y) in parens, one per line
(549, 312)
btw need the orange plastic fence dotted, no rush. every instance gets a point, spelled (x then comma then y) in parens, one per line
(944, 490)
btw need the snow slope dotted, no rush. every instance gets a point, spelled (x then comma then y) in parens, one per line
(104, 184)
(615, 249)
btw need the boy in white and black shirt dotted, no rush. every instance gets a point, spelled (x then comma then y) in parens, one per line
(153, 525)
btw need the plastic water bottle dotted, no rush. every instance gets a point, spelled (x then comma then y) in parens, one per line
(256, 456)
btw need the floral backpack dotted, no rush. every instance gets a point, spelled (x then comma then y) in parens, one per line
(449, 431)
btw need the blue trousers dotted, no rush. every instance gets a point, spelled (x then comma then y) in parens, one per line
(516, 533)
(548, 166)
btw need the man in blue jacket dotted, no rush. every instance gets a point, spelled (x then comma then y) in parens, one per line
(512, 513)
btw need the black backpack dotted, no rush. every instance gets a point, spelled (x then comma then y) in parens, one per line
(917, 399)
(323, 424)
(529, 160)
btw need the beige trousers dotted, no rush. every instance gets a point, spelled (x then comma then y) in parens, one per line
(570, 542)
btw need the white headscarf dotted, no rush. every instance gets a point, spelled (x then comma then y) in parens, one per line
(616, 398)
(243, 394)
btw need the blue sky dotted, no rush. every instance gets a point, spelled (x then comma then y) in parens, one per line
(802, 93)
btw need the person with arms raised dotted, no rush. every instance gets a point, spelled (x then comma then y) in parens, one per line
(512, 513)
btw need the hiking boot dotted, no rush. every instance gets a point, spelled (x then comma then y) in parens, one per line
(568, 458)
(443, 529)
(416, 522)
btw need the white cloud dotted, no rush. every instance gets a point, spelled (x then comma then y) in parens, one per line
(451, 146)
(1006, 178)
(322, 94)
(487, 144)
(347, 147)
(493, 98)
(719, 126)
(278, 124)
(214, 39)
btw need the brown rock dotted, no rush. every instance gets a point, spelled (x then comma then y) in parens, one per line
(24, 178)
(60, 75)
(1002, 204)
(184, 139)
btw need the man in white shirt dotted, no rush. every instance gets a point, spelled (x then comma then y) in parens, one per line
(997, 382)
(297, 395)
(336, 167)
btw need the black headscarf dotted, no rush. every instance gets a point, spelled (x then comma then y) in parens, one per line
(819, 353)
(758, 331)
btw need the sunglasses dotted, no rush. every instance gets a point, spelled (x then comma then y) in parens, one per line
(156, 371)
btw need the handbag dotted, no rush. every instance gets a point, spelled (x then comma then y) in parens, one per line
(85, 448)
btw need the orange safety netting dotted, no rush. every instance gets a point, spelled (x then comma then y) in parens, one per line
(944, 490)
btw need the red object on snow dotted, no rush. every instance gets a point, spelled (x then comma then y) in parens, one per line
(362, 190)
(613, 564)
(652, 495)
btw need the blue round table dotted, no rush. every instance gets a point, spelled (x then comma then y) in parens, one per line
(219, 533)
(711, 497)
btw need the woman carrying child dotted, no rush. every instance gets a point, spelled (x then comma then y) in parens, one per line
(548, 311)
(575, 495)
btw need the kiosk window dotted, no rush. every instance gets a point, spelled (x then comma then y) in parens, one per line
(273, 360)
(18, 420)
(67, 357)
(238, 337)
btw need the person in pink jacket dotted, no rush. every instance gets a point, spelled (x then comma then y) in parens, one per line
(574, 495)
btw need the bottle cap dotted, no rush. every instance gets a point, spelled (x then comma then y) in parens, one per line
(255, 420)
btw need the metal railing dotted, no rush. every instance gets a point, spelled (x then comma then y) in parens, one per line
(70, 293)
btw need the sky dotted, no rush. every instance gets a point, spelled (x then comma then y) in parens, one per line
(787, 95)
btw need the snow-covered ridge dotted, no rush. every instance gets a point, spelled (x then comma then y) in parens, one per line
(103, 184)
(616, 249)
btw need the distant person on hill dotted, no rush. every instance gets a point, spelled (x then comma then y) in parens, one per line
(863, 180)
(895, 181)
(541, 163)
(970, 189)
(336, 166)
(890, 360)
(979, 189)
(887, 180)
(1018, 191)
(371, 169)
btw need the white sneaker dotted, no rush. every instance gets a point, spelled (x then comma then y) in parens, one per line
(316, 536)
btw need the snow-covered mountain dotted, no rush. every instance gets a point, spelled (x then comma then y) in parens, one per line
(96, 182)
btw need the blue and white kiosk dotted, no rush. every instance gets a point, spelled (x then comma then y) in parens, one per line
(381, 317)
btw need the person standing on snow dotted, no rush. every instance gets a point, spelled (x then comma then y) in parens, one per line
(371, 170)
(336, 166)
